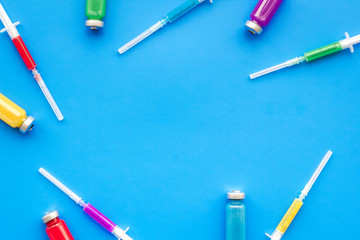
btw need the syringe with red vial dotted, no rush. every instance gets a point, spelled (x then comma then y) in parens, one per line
(10, 28)
(89, 209)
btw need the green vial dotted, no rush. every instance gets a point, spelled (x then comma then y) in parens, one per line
(95, 12)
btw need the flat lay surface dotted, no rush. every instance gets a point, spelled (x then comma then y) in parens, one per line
(156, 137)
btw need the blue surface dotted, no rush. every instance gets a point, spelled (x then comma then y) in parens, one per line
(156, 137)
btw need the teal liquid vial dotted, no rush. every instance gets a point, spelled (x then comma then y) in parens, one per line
(235, 216)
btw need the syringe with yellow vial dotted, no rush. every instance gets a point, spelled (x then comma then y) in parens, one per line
(14, 115)
(298, 202)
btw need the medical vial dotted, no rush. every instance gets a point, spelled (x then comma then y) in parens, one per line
(14, 115)
(95, 12)
(261, 15)
(56, 228)
(235, 216)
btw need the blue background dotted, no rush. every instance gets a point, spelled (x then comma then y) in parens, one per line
(155, 138)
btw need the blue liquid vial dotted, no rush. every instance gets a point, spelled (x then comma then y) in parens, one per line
(235, 216)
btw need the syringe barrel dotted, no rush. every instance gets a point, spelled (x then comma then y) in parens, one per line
(182, 9)
(105, 222)
(24, 53)
(323, 51)
(17, 40)
(289, 216)
(99, 217)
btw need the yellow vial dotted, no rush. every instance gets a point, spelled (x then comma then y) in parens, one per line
(14, 115)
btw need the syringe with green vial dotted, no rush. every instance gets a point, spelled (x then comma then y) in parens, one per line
(314, 54)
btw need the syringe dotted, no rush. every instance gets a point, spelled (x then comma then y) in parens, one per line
(10, 28)
(169, 18)
(314, 54)
(89, 209)
(298, 202)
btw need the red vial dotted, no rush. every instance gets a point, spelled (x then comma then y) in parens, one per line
(56, 228)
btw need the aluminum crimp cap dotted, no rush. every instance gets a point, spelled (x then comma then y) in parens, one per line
(236, 195)
(27, 125)
(94, 24)
(50, 216)
(253, 27)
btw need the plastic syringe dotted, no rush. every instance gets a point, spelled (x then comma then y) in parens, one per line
(88, 208)
(169, 18)
(10, 28)
(314, 54)
(298, 202)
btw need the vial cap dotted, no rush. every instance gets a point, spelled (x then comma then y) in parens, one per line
(236, 195)
(27, 125)
(50, 216)
(253, 27)
(94, 24)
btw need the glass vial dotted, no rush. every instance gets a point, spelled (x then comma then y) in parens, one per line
(262, 14)
(56, 228)
(14, 115)
(235, 216)
(95, 12)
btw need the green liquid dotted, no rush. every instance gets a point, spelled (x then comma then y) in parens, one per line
(95, 9)
(323, 51)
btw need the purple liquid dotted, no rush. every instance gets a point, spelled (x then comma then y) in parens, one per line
(99, 217)
(264, 11)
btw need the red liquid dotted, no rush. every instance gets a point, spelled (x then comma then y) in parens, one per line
(57, 230)
(24, 53)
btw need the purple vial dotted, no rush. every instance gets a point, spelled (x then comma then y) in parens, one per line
(262, 14)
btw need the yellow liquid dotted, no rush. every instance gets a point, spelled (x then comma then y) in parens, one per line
(290, 215)
(11, 113)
